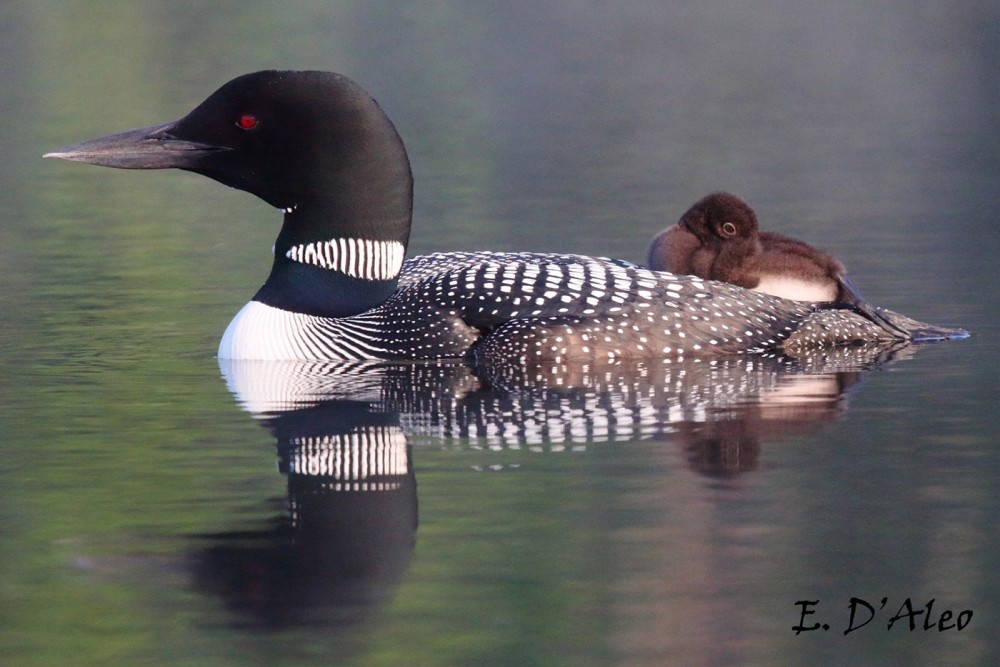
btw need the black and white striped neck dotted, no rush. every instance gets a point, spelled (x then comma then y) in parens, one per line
(330, 276)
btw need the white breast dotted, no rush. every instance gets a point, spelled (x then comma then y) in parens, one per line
(797, 289)
(264, 332)
(260, 331)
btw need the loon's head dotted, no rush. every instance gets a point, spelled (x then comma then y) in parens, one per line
(313, 144)
(297, 140)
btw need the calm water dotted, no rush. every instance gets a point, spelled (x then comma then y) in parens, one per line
(156, 508)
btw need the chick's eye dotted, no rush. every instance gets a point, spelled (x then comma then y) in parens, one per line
(246, 122)
(729, 229)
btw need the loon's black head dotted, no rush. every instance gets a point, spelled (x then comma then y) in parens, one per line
(313, 144)
(297, 140)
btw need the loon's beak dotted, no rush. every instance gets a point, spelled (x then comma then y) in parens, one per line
(145, 148)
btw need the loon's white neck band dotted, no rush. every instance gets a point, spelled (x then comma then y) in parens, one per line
(357, 258)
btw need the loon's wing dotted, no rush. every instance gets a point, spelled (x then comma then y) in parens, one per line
(551, 306)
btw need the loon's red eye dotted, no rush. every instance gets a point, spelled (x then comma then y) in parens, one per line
(246, 122)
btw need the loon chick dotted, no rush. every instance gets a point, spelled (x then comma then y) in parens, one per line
(718, 239)
(318, 147)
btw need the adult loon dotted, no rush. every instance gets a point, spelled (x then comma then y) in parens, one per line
(318, 147)
(718, 239)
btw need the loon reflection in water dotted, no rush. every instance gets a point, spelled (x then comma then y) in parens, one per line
(347, 434)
